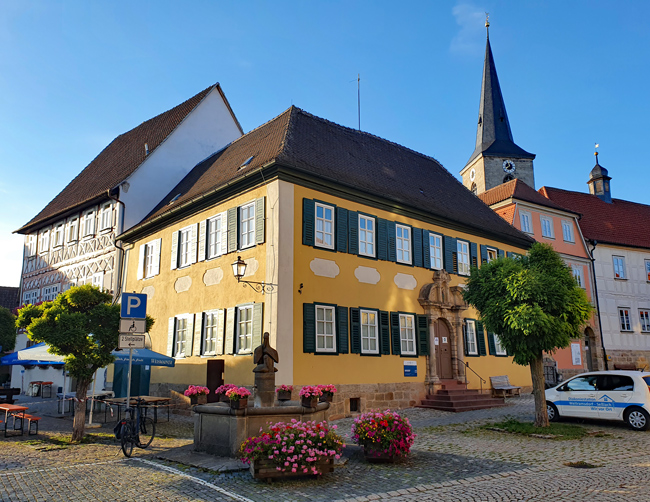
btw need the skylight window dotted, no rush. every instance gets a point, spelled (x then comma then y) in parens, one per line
(175, 198)
(246, 162)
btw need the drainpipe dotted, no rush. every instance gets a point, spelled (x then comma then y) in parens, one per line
(600, 324)
(118, 245)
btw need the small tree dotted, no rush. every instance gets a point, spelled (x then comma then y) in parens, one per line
(535, 305)
(7, 330)
(82, 325)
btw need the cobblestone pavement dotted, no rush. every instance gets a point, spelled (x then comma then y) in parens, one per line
(451, 460)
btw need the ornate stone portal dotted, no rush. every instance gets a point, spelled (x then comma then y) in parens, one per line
(444, 304)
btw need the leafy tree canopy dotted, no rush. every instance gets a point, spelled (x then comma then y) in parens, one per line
(7, 330)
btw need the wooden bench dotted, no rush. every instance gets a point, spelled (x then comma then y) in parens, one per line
(501, 387)
(31, 419)
(628, 367)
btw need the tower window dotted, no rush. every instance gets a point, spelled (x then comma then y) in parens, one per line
(474, 189)
(508, 177)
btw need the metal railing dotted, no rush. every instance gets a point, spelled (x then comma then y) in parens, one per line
(480, 378)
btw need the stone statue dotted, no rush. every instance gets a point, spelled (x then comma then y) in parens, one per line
(265, 356)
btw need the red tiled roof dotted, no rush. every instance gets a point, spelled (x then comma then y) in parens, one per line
(517, 189)
(622, 222)
(117, 161)
(507, 213)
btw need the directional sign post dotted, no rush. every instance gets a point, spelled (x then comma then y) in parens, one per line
(133, 313)
(131, 342)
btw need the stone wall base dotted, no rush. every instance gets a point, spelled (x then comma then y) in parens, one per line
(638, 358)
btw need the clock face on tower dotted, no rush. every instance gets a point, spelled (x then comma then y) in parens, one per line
(508, 166)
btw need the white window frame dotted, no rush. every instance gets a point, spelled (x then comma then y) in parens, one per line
(181, 345)
(471, 343)
(73, 230)
(547, 226)
(370, 325)
(647, 269)
(367, 241)
(321, 334)
(44, 242)
(106, 217)
(624, 319)
(51, 292)
(619, 270)
(98, 280)
(323, 226)
(462, 257)
(210, 324)
(499, 349)
(407, 335)
(644, 318)
(30, 245)
(248, 324)
(577, 272)
(149, 259)
(214, 236)
(492, 254)
(58, 234)
(526, 222)
(403, 244)
(30, 297)
(247, 226)
(567, 231)
(435, 251)
(184, 246)
(89, 223)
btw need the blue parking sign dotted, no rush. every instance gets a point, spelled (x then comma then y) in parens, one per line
(134, 306)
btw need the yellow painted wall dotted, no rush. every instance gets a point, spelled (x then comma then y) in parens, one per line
(166, 302)
(346, 290)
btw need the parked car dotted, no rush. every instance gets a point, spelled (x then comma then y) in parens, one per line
(606, 395)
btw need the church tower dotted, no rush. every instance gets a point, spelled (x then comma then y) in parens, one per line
(496, 158)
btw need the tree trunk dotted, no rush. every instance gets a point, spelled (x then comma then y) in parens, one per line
(537, 374)
(80, 411)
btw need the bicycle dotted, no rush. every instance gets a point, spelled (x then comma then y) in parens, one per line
(137, 429)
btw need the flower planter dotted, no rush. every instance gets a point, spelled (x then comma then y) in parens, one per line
(199, 399)
(379, 456)
(284, 395)
(267, 469)
(309, 402)
(326, 397)
(240, 404)
(223, 398)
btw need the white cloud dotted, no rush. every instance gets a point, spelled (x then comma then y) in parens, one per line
(470, 38)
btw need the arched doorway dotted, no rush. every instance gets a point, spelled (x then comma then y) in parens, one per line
(443, 349)
(590, 348)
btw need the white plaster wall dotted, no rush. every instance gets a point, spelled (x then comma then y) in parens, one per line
(633, 293)
(208, 128)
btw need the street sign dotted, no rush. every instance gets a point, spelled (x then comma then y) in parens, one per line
(134, 306)
(133, 326)
(131, 342)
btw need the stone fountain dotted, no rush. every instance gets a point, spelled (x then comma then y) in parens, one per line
(220, 430)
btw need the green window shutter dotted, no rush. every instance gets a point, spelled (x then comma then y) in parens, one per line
(308, 219)
(483, 253)
(355, 331)
(229, 344)
(174, 263)
(258, 317)
(394, 329)
(392, 241)
(465, 336)
(480, 338)
(232, 229)
(341, 230)
(202, 239)
(308, 327)
(384, 332)
(382, 239)
(220, 331)
(417, 247)
(426, 250)
(342, 328)
(473, 255)
(423, 334)
(171, 330)
(199, 319)
(353, 232)
(492, 348)
(260, 220)
(450, 248)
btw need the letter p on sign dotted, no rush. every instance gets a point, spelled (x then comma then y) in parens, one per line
(134, 306)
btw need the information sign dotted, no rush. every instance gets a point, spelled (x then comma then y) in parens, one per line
(410, 368)
(131, 342)
(133, 326)
(134, 306)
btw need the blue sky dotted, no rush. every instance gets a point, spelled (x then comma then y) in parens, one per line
(74, 75)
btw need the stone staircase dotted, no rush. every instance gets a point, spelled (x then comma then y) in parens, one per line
(455, 396)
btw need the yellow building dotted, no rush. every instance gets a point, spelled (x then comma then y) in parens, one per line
(363, 246)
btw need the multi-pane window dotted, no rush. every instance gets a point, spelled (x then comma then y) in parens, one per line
(182, 336)
(244, 329)
(624, 319)
(407, 334)
(106, 220)
(324, 234)
(325, 330)
(498, 347)
(149, 259)
(44, 243)
(403, 240)
(491, 254)
(567, 231)
(98, 280)
(547, 227)
(369, 332)
(577, 275)
(50, 292)
(247, 225)
(89, 223)
(30, 245)
(58, 235)
(463, 257)
(647, 270)
(210, 333)
(214, 236)
(30, 297)
(619, 267)
(470, 337)
(73, 230)
(526, 223)
(184, 246)
(644, 315)
(366, 235)
(435, 250)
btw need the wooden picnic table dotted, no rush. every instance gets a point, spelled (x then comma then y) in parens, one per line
(149, 401)
(7, 395)
(14, 411)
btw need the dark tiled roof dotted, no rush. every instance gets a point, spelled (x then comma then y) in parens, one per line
(117, 161)
(9, 297)
(517, 189)
(622, 222)
(346, 157)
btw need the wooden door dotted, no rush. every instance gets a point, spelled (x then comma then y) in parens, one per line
(443, 350)
(214, 377)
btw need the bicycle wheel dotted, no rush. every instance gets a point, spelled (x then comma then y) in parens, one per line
(147, 432)
(127, 439)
